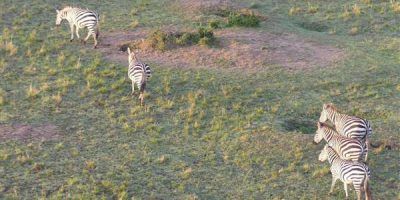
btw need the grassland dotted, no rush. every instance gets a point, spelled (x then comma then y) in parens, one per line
(204, 133)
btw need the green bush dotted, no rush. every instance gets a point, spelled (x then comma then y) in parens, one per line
(243, 19)
(161, 40)
(214, 24)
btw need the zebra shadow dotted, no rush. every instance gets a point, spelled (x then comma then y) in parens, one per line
(305, 126)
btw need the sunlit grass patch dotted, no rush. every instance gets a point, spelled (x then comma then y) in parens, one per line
(356, 10)
(32, 92)
(294, 11)
(11, 48)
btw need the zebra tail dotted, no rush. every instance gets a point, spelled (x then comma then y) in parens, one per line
(367, 190)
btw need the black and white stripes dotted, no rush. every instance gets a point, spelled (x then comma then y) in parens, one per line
(80, 18)
(347, 148)
(139, 73)
(349, 172)
(349, 126)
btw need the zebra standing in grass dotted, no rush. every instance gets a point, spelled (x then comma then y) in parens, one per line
(349, 172)
(80, 18)
(349, 126)
(139, 73)
(347, 148)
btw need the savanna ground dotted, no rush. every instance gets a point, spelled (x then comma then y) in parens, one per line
(233, 121)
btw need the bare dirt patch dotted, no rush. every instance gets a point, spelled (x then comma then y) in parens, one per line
(238, 48)
(26, 132)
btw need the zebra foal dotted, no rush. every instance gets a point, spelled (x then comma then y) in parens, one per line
(349, 172)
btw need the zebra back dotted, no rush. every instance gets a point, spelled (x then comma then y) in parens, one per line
(349, 126)
(81, 17)
(346, 148)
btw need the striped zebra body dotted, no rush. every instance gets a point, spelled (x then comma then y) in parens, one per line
(80, 18)
(347, 148)
(349, 126)
(349, 172)
(139, 73)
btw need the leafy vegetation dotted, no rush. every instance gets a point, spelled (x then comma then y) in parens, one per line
(204, 133)
(245, 19)
(161, 40)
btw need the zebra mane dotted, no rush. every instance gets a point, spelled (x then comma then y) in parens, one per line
(330, 106)
(67, 7)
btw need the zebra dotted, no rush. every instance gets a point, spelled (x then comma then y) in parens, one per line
(349, 172)
(139, 73)
(80, 18)
(349, 126)
(347, 148)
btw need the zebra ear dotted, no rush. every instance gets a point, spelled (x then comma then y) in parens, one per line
(129, 51)
(58, 11)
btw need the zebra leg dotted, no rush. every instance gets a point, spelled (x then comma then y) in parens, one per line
(332, 185)
(72, 32)
(87, 37)
(95, 40)
(358, 195)
(141, 97)
(366, 149)
(133, 88)
(345, 189)
(77, 32)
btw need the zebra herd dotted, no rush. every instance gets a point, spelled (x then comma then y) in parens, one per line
(347, 144)
(346, 149)
(79, 18)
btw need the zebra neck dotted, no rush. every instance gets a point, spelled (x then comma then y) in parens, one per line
(333, 115)
(328, 134)
(332, 156)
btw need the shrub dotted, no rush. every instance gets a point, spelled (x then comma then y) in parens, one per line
(245, 19)
(161, 40)
(214, 24)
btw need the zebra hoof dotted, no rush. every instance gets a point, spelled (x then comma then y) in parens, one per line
(71, 40)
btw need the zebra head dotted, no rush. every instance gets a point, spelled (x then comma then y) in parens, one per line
(324, 114)
(60, 17)
(319, 135)
(132, 56)
(324, 154)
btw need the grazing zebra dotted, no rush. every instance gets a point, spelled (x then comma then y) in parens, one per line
(349, 172)
(349, 126)
(347, 148)
(80, 18)
(139, 73)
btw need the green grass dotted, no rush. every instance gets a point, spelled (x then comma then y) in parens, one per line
(203, 133)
